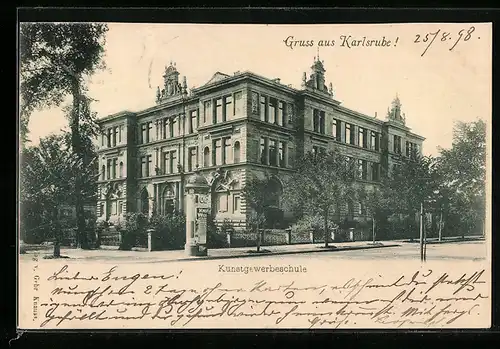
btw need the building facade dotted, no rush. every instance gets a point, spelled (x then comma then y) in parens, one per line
(233, 127)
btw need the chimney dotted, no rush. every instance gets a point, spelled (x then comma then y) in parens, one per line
(375, 115)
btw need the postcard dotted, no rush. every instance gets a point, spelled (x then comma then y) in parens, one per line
(215, 176)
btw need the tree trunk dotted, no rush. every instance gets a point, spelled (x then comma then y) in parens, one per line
(326, 227)
(57, 233)
(258, 237)
(373, 228)
(440, 231)
(258, 234)
(76, 145)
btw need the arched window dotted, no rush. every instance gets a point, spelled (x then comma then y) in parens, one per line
(121, 169)
(103, 172)
(206, 157)
(236, 152)
(167, 200)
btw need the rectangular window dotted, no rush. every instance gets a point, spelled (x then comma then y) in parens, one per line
(108, 169)
(263, 158)
(207, 111)
(228, 108)
(281, 154)
(115, 167)
(263, 108)
(408, 148)
(236, 203)
(334, 129)
(362, 137)
(115, 136)
(227, 148)
(192, 159)
(238, 103)
(348, 135)
(174, 128)
(145, 165)
(218, 110)
(149, 165)
(150, 128)
(217, 152)
(143, 133)
(108, 138)
(164, 129)
(173, 161)
(397, 144)
(281, 115)
(193, 121)
(361, 209)
(322, 122)
(120, 130)
(103, 139)
(272, 153)
(166, 162)
(375, 172)
(223, 202)
(315, 120)
(272, 110)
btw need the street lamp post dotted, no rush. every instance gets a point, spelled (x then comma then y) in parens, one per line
(421, 232)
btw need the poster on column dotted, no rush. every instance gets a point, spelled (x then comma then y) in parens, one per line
(414, 99)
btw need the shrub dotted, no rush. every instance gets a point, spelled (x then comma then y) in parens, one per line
(315, 223)
(274, 217)
(169, 231)
(215, 237)
(135, 228)
(101, 227)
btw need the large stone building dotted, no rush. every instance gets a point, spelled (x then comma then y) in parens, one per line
(230, 128)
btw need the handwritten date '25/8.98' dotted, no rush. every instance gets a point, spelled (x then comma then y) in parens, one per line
(442, 36)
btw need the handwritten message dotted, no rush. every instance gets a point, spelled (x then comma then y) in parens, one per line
(113, 296)
(426, 39)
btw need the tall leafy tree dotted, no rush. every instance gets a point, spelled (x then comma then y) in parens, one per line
(322, 182)
(47, 183)
(376, 203)
(411, 182)
(56, 61)
(463, 172)
(260, 195)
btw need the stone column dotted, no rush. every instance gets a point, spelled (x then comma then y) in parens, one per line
(155, 197)
(355, 129)
(342, 131)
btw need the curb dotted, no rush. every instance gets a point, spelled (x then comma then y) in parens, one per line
(340, 249)
(445, 241)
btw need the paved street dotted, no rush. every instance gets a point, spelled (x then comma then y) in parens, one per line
(472, 251)
(464, 251)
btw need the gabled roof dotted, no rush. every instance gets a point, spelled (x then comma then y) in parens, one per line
(216, 78)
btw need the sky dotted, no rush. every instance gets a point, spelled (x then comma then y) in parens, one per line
(436, 89)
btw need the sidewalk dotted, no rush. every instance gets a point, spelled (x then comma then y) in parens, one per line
(109, 253)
